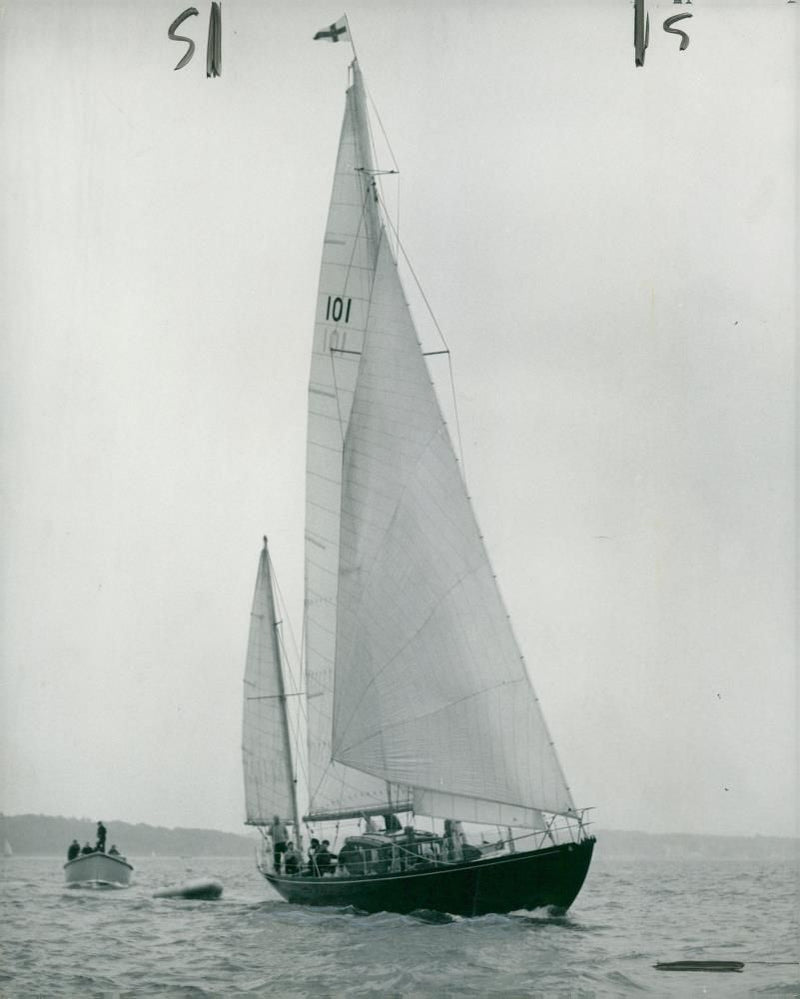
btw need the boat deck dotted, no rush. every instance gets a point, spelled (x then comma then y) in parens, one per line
(550, 877)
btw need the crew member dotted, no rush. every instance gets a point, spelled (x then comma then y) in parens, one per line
(291, 859)
(280, 839)
(323, 858)
(312, 855)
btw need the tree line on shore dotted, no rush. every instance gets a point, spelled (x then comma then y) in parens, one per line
(50, 835)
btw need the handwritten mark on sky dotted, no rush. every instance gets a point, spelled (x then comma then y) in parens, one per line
(189, 12)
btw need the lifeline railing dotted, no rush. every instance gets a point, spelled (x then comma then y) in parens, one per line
(559, 829)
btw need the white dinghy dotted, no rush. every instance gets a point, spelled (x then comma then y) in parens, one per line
(98, 869)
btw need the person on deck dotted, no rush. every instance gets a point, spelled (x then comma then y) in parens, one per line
(87, 848)
(349, 860)
(280, 839)
(312, 857)
(323, 858)
(391, 823)
(113, 852)
(101, 837)
(453, 841)
(74, 850)
(291, 859)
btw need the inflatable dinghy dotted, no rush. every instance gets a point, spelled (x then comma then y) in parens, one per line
(203, 888)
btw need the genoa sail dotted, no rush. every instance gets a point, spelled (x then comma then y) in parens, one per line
(431, 689)
(269, 782)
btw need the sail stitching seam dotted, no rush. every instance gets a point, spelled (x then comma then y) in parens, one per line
(443, 707)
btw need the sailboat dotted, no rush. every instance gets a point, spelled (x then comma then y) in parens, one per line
(424, 733)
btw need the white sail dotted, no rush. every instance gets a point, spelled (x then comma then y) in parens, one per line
(345, 285)
(266, 754)
(492, 813)
(431, 689)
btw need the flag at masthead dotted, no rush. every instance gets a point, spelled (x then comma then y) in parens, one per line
(337, 32)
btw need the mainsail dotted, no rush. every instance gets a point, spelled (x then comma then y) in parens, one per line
(269, 783)
(345, 284)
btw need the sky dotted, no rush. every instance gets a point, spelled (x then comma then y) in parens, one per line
(611, 254)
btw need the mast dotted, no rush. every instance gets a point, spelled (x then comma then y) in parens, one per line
(282, 700)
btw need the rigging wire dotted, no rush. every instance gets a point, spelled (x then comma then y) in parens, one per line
(395, 228)
(396, 169)
(421, 290)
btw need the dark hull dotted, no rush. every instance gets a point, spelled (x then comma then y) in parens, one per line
(548, 877)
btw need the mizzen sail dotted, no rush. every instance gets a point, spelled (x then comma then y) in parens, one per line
(266, 746)
(431, 689)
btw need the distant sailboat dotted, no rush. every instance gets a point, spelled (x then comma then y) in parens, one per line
(7, 851)
(418, 701)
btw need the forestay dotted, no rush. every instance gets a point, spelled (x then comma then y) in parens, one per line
(431, 688)
(348, 264)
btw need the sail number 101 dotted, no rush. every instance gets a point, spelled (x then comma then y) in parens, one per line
(338, 308)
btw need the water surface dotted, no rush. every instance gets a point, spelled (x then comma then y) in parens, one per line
(57, 941)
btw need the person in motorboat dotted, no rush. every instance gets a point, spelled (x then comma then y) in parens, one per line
(87, 848)
(74, 850)
(101, 838)
(292, 859)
